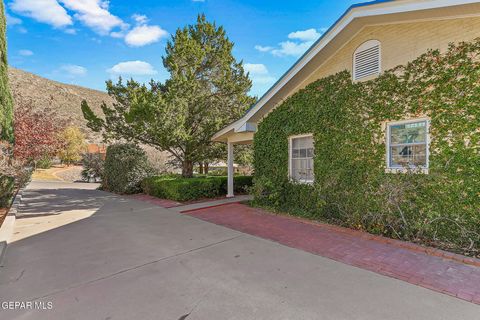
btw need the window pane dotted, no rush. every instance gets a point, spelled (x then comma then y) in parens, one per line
(297, 143)
(302, 143)
(295, 153)
(299, 174)
(403, 156)
(415, 132)
(302, 159)
(310, 153)
(302, 169)
(296, 164)
(309, 170)
(309, 164)
(309, 176)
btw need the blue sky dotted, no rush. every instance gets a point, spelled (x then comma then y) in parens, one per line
(86, 42)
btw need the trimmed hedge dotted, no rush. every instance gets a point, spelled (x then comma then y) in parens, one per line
(126, 165)
(183, 189)
(352, 188)
(7, 187)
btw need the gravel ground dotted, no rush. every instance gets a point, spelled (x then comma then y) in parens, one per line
(72, 173)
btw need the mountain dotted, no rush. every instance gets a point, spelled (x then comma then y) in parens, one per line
(64, 98)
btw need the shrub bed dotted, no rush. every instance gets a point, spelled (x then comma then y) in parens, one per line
(182, 189)
(7, 187)
(352, 187)
(125, 167)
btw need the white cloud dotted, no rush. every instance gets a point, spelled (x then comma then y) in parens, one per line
(13, 21)
(133, 68)
(25, 53)
(263, 49)
(70, 31)
(305, 35)
(140, 18)
(289, 48)
(143, 35)
(259, 74)
(302, 40)
(117, 34)
(73, 70)
(94, 14)
(255, 68)
(46, 11)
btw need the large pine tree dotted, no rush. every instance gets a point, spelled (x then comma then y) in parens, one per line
(207, 90)
(6, 102)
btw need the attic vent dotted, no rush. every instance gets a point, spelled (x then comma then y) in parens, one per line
(366, 60)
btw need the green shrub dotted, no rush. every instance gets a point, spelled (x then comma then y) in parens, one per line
(218, 172)
(93, 166)
(241, 184)
(182, 189)
(44, 163)
(7, 187)
(126, 165)
(351, 186)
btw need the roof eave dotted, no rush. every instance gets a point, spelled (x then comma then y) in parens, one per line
(353, 12)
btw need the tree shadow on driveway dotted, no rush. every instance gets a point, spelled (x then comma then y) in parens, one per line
(44, 202)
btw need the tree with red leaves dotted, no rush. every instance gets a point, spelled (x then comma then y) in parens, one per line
(36, 133)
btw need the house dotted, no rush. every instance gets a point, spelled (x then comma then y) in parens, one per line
(101, 149)
(368, 39)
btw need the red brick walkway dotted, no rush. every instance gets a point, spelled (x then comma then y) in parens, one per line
(435, 270)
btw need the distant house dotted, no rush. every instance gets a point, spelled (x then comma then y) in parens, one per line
(366, 40)
(94, 148)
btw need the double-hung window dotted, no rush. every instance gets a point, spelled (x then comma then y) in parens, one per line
(407, 143)
(301, 158)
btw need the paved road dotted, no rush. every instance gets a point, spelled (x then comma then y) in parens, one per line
(133, 260)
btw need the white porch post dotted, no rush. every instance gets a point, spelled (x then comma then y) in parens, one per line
(230, 170)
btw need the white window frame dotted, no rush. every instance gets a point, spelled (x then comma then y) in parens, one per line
(365, 46)
(395, 169)
(290, 160)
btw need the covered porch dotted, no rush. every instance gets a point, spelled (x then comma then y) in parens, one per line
(232, 138)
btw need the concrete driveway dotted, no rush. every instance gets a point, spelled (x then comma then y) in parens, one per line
(128, 259)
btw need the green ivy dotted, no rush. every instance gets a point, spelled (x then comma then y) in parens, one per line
(351, 186)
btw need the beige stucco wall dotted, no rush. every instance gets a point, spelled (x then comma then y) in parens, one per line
(401, 43)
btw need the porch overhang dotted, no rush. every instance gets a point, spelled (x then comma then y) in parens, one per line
(232, 136)
(241, 135)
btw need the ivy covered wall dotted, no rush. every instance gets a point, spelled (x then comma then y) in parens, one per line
(6, 102)
(352, 187)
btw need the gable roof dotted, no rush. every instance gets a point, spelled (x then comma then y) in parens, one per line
(357, 5)
(353, 13)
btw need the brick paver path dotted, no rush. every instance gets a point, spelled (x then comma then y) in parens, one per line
(391, 258)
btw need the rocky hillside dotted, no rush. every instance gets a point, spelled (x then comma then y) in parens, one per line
(64, 98)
